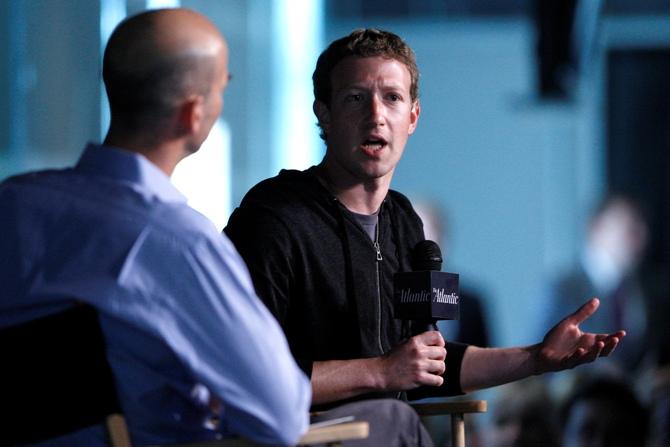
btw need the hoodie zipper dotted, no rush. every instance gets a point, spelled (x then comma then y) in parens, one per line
(379, 291)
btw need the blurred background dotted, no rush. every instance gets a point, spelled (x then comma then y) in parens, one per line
(532, 113)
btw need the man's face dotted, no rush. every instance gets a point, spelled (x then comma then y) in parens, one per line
(371, 115)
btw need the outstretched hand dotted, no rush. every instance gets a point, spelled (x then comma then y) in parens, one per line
(566, 345)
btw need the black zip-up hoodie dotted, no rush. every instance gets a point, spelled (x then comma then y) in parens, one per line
(319, 272)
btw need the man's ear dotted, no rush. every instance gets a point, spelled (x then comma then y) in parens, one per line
(322, 114)
(414, 116)
(190, 114)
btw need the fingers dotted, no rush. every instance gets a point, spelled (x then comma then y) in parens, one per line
(594, 352)
(432, 375)
(603, 345)
(585, 311)
(416, 362)
(430, 338)
(435, 353)
(421, 350)
(583, 355)
(436, 367)
(433, 366)
(611, 342)
(430, 345)
(431, 372)
(610, 346)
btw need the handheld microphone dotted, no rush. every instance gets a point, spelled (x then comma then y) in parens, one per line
(426, 294)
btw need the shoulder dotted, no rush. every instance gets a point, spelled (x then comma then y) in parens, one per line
(35, 178)
(402, 208)
(288, 187)
(291, 197)
(183, 224)
(282, 214)
(178, 243)
(400, 201)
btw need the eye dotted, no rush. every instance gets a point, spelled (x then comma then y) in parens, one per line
(394, 97)
(354, 97)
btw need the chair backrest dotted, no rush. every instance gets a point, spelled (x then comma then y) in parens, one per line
(54, 377)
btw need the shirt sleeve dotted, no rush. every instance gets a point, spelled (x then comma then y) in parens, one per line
(204, 306)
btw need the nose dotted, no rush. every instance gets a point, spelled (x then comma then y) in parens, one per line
(376, 111)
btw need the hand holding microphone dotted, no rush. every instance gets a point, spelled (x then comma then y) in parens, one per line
(416, 362)
(421, 296)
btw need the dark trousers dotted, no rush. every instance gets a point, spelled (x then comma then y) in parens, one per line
(393, 423)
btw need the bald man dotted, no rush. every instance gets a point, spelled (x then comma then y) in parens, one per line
(195, 354)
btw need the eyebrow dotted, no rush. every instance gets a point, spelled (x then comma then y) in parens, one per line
(393, 86)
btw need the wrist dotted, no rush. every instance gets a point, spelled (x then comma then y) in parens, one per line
(378, 371)
(534, 362)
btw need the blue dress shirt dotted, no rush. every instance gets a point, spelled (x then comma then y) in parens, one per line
(181, 319)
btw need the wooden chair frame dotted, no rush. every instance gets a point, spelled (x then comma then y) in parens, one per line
(457, 411)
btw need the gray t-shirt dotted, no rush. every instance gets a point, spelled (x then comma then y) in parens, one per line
(368, 222)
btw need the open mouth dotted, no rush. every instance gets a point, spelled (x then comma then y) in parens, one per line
(373, 145)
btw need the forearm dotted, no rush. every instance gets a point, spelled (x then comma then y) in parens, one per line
(418, 361)
(335, 380)
(488, 367)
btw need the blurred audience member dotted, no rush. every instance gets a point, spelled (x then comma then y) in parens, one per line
(616, 239)
(660, 408)
(654, 389)
(524, 416)
(604, 412)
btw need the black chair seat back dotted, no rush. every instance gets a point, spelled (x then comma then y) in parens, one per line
(54, 377)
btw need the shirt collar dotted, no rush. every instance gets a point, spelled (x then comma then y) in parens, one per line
(124, 165)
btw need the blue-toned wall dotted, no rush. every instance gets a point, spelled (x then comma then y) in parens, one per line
(50, 85)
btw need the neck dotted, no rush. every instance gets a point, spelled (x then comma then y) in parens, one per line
(165, 155)
(360, 196)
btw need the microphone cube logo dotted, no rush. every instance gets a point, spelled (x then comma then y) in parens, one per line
(426, 295)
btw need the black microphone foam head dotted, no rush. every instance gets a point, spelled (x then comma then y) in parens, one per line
(426, 256)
